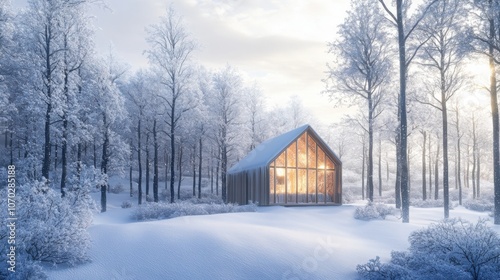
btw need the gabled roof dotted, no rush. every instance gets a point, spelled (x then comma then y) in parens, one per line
(268, 150)
(264, 153)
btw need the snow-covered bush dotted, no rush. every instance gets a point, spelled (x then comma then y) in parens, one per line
(25, 270)
(126, 204)
(206, 199)
(50, 228)
(452, 249)
(158, 211)
(429, 203)
(116, 189)
(373, 211)
(483, 204)
(348, 196)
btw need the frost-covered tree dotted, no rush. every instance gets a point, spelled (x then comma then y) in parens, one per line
(170, 54)
(442, 55)
(225, 105)
(109, 112)
(485, 25)
(405, 27)
(363, 66)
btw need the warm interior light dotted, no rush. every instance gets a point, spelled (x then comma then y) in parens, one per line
(280, 172)
(321, 167)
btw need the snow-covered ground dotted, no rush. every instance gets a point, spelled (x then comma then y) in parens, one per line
(273, 243)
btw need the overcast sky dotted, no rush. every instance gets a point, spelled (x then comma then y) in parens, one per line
(279, 44)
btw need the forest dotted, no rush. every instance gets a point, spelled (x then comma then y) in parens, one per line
(418, 78)
(420, 82)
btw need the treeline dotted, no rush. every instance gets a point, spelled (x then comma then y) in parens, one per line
(415, 70)
(69, 113)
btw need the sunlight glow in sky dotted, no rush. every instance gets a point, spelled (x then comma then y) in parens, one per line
(281, 45)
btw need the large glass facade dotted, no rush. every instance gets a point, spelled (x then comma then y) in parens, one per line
(303, 173)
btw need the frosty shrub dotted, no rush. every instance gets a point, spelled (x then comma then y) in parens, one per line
(374, 211)
(429, 203)
(25, 270)
(116, 189)
(452, 249)
(158, 211)
(348, 196)
(126, 204)
(50, 228)
(206, 199)
(482, 204)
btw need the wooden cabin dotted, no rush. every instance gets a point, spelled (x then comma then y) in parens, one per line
(295, 168)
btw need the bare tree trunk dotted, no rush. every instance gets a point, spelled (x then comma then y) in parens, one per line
(217, 169)
(64, 155)
(166, 170)
(200, 166)
(211, 172)
(380, 166)
(494, 117)
(155, 163)
(363, 172)
(459, 168)
(194, 169)
(180, 175)
(436, 174)
(405, 195)
(430, 166)
(444, 112)
(369, 183)
(139, 183)
(478, 175)
(147, 167)
(130, 177)
(398, 174)
(474, 145)
(466, 175)
(424, 177)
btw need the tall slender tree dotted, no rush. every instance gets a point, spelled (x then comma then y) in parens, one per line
(443, 31)
(169, 55)
(405, 29)
(363, 65)
(486, 32)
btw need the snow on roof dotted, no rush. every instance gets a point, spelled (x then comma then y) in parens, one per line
(264, 153)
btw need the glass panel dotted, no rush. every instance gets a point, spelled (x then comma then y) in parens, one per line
(329, 163)
(302, 155)
(321, 159)
(280, 161)
(302, 186)
(321, 186)
(311, 186)
(291, 186)
(291, 154)
(330, 184)
(311, 153)
(271, 185)
(272, 163)
(280, 185)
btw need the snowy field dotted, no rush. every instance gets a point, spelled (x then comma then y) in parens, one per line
(273, 243)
